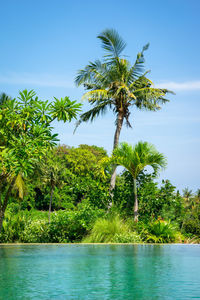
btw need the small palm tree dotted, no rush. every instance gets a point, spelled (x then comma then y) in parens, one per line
(3, 98)
(52, 176)
(187, 196)
(117, 84)
(135, 159)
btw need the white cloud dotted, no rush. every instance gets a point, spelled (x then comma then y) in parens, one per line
(165, 119)
(49, 80)
(36, 80)
(180, 86)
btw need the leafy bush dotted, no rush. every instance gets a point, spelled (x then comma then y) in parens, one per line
(70, 226)
(33, 226)
(16, 222)
(129, 237)
(13, 225)
(12, 209)
(191, 226)
(159, 231)
(35, 232)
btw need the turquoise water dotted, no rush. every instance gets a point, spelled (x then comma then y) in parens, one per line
(100, 272)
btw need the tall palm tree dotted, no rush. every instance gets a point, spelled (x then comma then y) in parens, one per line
(135, 159)
(117, 84)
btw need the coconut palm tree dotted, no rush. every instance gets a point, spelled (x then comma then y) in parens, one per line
(117, 84)
(135, 159)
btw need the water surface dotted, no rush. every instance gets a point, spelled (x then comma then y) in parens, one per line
(100, 272)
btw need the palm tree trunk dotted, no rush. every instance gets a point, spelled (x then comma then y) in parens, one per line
(51, 197)
(5, 202)
(120, 119)
(1, 217)
(136, 201)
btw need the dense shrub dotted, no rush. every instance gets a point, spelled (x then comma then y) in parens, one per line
(72, 225)
(160, 231)
(13, 224)
(65, 226)
(36, 231)
(129, 237)
(191, 226)
(154, 201)
(18, 224)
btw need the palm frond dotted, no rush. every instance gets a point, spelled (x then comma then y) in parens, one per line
(96, 95)
(19, 185)
(112, 43)
(137, 69)
(136, 158)
(94, 73)
(90, 115)
(150, 98)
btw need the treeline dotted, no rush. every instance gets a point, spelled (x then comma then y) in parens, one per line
(67, 200)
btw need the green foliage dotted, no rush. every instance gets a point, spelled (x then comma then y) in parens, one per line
(33, 227)
(74, 174)
(36, 231)
(135, 159)
(18, 225)
(26, 137)
(111, 230)
(154, 201)
(70, 226)
(99, 152)
(128, 237)
(80, 189)
(81, 162)
(191, 226)
(13, 225)
(92, 190)
(26, 133)
(159, 231)
(65, 109)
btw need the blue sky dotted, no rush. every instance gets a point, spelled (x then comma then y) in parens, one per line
(44, 43)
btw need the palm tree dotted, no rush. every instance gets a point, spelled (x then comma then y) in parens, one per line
(117, 84)
(52, 176)
(135, 159)
(187, 196)
(3, 98)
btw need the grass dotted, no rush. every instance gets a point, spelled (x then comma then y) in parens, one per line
(111, 230)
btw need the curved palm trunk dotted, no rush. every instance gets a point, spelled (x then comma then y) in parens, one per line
(136, 201)
(120, 119)
(50, 203)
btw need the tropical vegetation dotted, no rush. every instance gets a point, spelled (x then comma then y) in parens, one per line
(58, 193)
